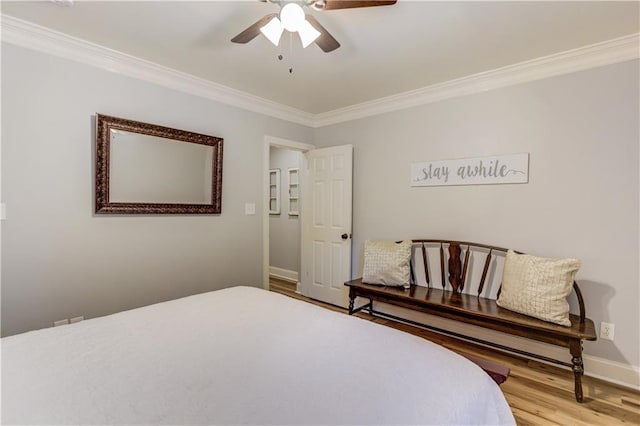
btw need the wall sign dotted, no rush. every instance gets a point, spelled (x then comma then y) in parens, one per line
(472, 171)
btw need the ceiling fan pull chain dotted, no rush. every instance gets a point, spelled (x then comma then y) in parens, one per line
(280, 50)
(291, 52)
(291, 44)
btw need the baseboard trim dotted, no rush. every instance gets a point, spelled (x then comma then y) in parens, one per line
(283, 274)
(613, 372)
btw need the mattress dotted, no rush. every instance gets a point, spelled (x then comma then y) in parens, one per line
(240, 356)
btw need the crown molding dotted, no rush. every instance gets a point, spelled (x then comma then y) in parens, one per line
(596, 55)
(32, 36)
(36, 37)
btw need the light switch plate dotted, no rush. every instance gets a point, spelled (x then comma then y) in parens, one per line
(3, 211)
(249, 208)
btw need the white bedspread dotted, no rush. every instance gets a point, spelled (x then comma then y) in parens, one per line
(239, 356)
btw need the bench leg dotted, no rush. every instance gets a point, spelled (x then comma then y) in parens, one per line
(578, 368)
(352, 299)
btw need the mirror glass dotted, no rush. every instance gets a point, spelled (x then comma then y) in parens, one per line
(148, 169)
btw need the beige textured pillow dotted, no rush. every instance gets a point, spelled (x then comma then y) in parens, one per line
(387, 263)
(538, 287)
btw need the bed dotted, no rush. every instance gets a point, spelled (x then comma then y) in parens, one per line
(240, 356)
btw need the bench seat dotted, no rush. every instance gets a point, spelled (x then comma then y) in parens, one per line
(452, 303)
(477, 311)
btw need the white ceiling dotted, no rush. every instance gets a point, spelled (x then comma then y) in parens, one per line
(385, 50)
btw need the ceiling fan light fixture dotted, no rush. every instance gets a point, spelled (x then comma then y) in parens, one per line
(308, 34)
(292, 17)
(273, 30)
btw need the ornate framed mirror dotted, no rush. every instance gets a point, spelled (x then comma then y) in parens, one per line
(144, 168)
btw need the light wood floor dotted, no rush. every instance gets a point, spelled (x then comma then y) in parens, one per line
(538, 394)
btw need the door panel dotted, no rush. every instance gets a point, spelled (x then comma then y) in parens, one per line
(326, 217)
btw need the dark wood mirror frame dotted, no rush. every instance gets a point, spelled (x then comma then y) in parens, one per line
(103, 205)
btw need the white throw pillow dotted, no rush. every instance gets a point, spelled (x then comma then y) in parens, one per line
(538, 287)
(387, 263)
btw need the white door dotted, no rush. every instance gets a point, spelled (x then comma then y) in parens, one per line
(326, 224)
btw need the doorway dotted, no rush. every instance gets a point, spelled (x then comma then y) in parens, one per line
(281, 230)
(284, 214)
(321, 200)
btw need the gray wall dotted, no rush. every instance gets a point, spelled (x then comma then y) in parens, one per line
(284, 230)
(61, 261)
(581, 131)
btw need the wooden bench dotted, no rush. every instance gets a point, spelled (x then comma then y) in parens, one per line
(474, 304)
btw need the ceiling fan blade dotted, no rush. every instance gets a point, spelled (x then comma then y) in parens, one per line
(325, 41)
(349, 4)
(254, 30)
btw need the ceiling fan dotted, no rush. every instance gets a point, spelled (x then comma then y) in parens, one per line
(293, 19)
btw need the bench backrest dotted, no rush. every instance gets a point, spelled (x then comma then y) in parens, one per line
(463, 267)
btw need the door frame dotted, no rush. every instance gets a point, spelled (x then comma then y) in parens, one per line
(275, 142)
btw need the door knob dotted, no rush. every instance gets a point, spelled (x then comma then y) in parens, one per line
(345, 236)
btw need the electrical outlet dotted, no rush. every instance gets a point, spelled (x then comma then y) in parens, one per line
(76, 319)
(60, 322)
(607, 330)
